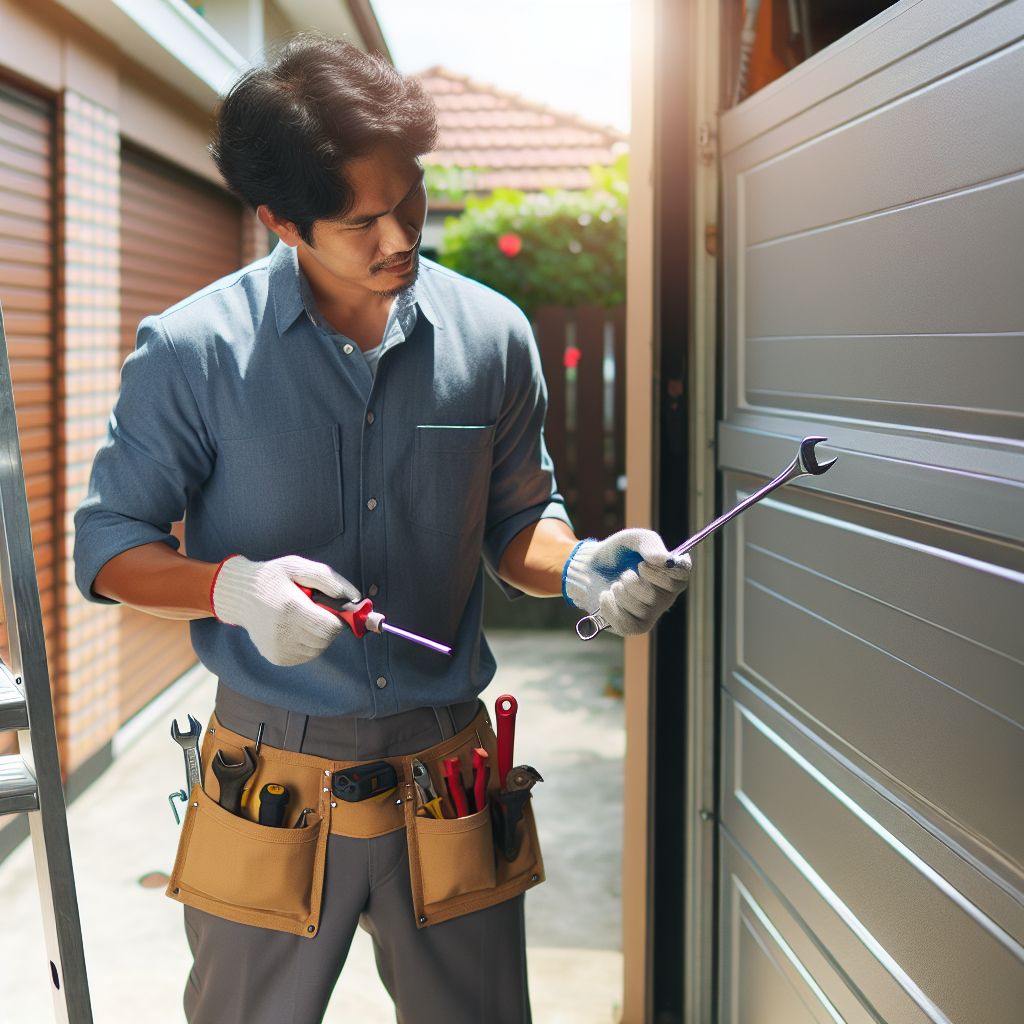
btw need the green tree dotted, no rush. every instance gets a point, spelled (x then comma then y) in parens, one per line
(553, 247)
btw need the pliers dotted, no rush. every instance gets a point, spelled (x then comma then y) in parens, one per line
(431, 801)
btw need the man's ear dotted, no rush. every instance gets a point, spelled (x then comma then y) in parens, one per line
(284, 229)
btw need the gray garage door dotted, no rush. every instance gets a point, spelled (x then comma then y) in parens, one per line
(872, 688)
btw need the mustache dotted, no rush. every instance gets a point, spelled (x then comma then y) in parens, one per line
(395, 261)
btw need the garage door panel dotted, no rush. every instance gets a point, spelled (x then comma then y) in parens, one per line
(904, 565)
(925, 733)
(872, 658)
(894, 273)
(775, 981)
(976, 486)
(951, 135)
(161, 217)
(771, 948)
(878, 378)
(851, 869)
(899, 52)
(916, 699)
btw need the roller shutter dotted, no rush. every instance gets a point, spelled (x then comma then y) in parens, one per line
(872, 693)
(27, 283)
(178, 234)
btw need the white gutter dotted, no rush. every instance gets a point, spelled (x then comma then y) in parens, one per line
(169, 39)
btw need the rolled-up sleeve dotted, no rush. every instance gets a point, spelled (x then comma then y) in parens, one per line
(157, 452)
(523, 488)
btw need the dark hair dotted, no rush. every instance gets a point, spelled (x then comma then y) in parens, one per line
(287, 127)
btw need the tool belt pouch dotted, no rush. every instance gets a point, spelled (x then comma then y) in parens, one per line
(231, 866)
(455, 866)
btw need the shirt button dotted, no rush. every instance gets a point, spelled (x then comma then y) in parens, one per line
(370, 417)
(374, 590)
(347, 349)
(381, 682)
(371, 504)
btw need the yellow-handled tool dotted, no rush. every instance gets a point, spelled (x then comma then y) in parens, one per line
(431, 801)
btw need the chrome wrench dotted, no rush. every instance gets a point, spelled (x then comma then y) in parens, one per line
(189, 743)
(805, 464)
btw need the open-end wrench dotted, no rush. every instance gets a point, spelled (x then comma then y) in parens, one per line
(189, 743)
(805, 464)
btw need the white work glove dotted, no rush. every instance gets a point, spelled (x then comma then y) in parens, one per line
(630, 578)
(262, 597)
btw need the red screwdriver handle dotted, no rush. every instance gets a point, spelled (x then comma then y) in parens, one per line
(479, 777)
(353, 613)
(453, 772)
(505, 708)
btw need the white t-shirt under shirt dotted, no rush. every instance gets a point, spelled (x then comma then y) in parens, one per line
(372, 356)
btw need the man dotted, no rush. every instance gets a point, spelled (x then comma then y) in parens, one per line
(347, 417)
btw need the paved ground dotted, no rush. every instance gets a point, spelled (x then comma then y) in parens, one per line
(122, 830)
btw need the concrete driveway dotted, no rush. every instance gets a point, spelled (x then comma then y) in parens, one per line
(122, 831)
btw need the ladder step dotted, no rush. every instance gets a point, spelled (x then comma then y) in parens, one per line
(13, 709)
(18, 790)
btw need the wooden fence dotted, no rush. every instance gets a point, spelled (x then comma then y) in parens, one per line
(583, 352)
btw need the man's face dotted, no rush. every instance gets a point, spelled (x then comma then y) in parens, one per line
(375, 246)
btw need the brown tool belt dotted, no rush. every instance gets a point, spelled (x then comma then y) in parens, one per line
(230, 865)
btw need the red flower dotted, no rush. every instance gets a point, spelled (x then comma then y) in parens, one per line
(572, 357)
(510, 245)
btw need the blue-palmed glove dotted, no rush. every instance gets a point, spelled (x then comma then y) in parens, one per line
(630, 578)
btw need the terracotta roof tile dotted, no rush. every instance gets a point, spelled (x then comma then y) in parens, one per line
(514, 142)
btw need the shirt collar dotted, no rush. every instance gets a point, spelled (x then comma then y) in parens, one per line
(286, 288)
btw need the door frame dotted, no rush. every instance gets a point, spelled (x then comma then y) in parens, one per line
(675, 74)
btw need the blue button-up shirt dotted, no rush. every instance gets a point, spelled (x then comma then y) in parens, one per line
(268, 431)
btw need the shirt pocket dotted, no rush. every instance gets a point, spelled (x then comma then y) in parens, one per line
(282, 493)
(451, 478)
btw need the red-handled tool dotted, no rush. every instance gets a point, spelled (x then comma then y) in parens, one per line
(480, 773)
(505, 708)
(360, 617)
(453, 773)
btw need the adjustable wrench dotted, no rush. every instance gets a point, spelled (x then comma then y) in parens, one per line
(507, 808)
(805, 464)
(233, 777)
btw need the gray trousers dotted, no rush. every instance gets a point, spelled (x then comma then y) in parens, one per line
(468, 970)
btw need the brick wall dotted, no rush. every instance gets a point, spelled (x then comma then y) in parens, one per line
(90, 319)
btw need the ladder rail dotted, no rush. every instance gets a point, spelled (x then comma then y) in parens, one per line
(38, 743)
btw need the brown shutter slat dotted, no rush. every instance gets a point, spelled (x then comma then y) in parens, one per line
(15, 183)
(28, 112)
(178, 234)
(18, 276)
(24, 205)
(18, 251)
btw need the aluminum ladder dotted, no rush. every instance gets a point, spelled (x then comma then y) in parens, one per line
(31, 780)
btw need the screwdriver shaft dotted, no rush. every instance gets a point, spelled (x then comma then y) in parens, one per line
(417, 639)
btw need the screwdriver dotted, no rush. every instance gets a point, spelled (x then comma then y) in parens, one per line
(273, 804)
(456, 790)
(361, 619)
